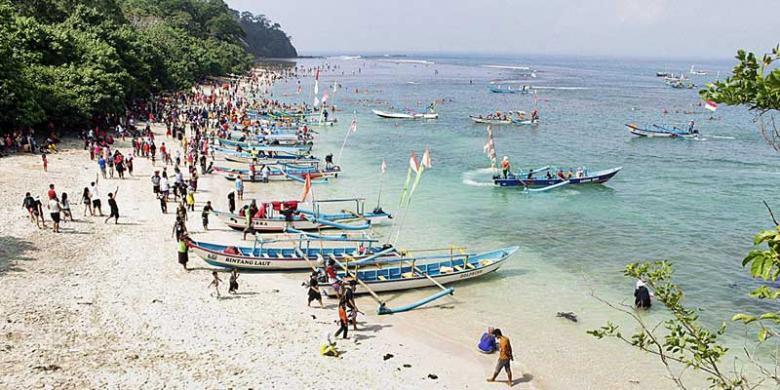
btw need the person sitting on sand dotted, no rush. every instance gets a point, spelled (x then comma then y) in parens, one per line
(215, 282)
(328, 348)
(504, 357)
(487, 343)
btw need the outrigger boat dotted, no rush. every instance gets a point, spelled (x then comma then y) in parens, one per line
(401, 115)
(291, 253)
(532, 183)
(405, 273)
(282, 172)
(662, 132)
(491, 121)
(266, 148)
(274, 221)
(262, 158)
(509, 89)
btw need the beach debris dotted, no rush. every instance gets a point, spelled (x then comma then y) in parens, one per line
(156, 301)
(48, 367)
(433, 376)
(275, 291)
(567, 315)
(407, 365)
(388, 356)
(313, 317)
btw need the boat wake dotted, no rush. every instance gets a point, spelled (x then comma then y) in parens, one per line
(562, 88)
(480, 177)
(722, 137)
(512, 67)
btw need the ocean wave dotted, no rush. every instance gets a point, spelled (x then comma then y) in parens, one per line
(474, 183)
(511, 67)
(345, 58)
(419, 62)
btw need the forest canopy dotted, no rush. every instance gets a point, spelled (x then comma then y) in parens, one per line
(66, 61)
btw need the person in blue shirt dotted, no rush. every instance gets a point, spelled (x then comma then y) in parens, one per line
(102, 165)
(487, 343)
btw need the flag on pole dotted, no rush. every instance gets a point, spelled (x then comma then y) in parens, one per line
(316, 102)
(325, 97)
(317, 82)
(710, 105)
(490, 147)
(425, 163)
(383, 167)
(414, 166)
(306, 187)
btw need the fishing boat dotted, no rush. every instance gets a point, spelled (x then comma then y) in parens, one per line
(292, 253)
(281, 172)
(658, 131)
(402, 115)
(525, 122)
(273, 218)
(509, 89)
(262, 158)
(264, 147)
(406, 273)
(697, 72)
(490, 120)
(547, 180)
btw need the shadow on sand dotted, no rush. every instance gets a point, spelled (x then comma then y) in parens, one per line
(13, 251)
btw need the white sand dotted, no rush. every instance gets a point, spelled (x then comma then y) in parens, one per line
(106, 306)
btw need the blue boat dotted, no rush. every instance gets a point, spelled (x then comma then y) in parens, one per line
(539, 180)
(658, 131)
(509, 89)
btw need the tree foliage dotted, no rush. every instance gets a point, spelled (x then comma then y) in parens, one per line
(755, 82)
(68, 61)
(265, 39)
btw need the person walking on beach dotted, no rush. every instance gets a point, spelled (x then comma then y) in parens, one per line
(45, 162)
(156, 183)
(504, 357)
(29, 204)
(65, 203)
(233, 286)
(87, 201)
(179, 228)
(231, 202)
(54, 210)
(114, 208)
(95, 196)
(183, 251)
(343, 321)
(207, 209)
(239, 187)
(215, 282)
(314, 289)
(190, 199)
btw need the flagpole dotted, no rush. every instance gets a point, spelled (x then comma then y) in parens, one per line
(346, 136)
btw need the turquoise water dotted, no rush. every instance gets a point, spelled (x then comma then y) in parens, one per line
(696, 203)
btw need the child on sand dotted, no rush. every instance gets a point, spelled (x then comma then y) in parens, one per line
(65, 203)
(45, 162)
(215, 282)
(87, 201)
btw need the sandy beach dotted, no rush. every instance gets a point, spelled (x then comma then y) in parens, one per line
(104, 305)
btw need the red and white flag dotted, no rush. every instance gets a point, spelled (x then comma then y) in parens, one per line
(710, 105)
(383, 167)
(413, 163)
(306, 187)
(426, 158)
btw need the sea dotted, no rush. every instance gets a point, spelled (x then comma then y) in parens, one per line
(694, 202)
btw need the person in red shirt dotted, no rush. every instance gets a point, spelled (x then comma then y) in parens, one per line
(52, 193)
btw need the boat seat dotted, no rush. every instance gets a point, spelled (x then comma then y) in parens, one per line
(408, 275)
(485, 263)
(445, 270)
(458, 268)
(380, 277)
(470, 266)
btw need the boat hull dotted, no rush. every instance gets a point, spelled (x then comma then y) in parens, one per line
(496, 261)
(660, 133)
(400, 115)
(600, 177)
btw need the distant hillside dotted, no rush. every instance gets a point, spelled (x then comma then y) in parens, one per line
(264, 38)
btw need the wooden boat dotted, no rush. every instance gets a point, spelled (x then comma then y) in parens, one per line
(661, 132)
(263, 147)
(490, 121)
(529, 181)
(401, 115)
(416, 272)
(509, 89)
(304, 252)
(261, 158)
(308, 220)
(280, 172)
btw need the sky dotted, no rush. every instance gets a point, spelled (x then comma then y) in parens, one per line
(633, 28)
